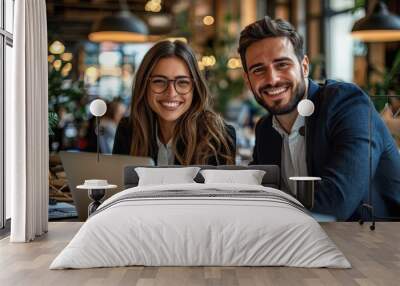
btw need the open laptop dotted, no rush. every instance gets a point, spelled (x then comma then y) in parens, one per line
(81, 166)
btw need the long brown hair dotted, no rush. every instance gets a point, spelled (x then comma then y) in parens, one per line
(199, 130)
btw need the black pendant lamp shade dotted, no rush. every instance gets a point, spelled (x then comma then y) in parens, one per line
(122, 27)
(379, 26)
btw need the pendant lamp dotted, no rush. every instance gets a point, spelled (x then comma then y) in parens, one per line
(122, 27)
(379, 26)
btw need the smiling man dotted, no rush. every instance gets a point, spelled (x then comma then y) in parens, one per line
(337, 144)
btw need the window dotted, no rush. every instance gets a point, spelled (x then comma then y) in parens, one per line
(339, 56)
(9, 15)
(6, 44)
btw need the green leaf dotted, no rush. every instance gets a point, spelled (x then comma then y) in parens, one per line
(53, 121)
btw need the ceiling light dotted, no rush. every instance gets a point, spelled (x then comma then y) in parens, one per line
(379, 26)
(122, 27)
(173, 39)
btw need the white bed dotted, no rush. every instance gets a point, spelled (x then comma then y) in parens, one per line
(203, 225)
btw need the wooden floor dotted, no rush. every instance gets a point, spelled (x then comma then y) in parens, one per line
(374, 255)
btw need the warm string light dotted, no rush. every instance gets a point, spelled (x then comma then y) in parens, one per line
(208, 61)
(153, 6)
(201, 66)
(59, 59)
(51, 58)
(57, 48)
(57, 64)
(208, 20)
(66, 69)
(234, 63)
(66, 57)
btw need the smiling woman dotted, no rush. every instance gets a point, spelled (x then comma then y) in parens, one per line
(170, 101)
(171, 118)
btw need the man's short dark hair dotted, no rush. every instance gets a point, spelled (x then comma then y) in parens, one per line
(268, 28)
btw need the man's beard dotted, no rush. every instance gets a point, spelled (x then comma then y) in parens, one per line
(290, 106)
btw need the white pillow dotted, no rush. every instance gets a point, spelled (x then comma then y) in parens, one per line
(165, 176)
(248, 177)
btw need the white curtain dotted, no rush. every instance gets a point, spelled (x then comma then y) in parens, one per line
(27, 123)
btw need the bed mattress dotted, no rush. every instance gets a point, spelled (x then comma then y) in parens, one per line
(201, 225)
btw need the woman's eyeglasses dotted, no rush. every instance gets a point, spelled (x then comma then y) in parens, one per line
(182, 85)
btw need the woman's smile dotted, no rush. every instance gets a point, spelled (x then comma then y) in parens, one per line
(170, 105)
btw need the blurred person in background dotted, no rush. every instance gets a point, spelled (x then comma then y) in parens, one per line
(61, 139)
(171, 119)
(108, 125)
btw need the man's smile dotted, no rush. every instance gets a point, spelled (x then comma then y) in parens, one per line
(276, 93)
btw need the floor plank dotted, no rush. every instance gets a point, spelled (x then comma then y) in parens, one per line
(374, 255)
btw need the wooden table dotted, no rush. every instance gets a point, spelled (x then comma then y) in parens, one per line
(374, 255)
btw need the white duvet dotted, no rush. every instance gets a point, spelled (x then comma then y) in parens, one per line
(206, 230)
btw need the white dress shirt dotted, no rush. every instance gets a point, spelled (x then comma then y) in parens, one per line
(293, 153)
(165, 154)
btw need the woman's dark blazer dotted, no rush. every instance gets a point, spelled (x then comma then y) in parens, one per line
(123, 139)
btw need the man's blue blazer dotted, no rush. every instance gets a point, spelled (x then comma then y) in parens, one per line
(337, 150)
